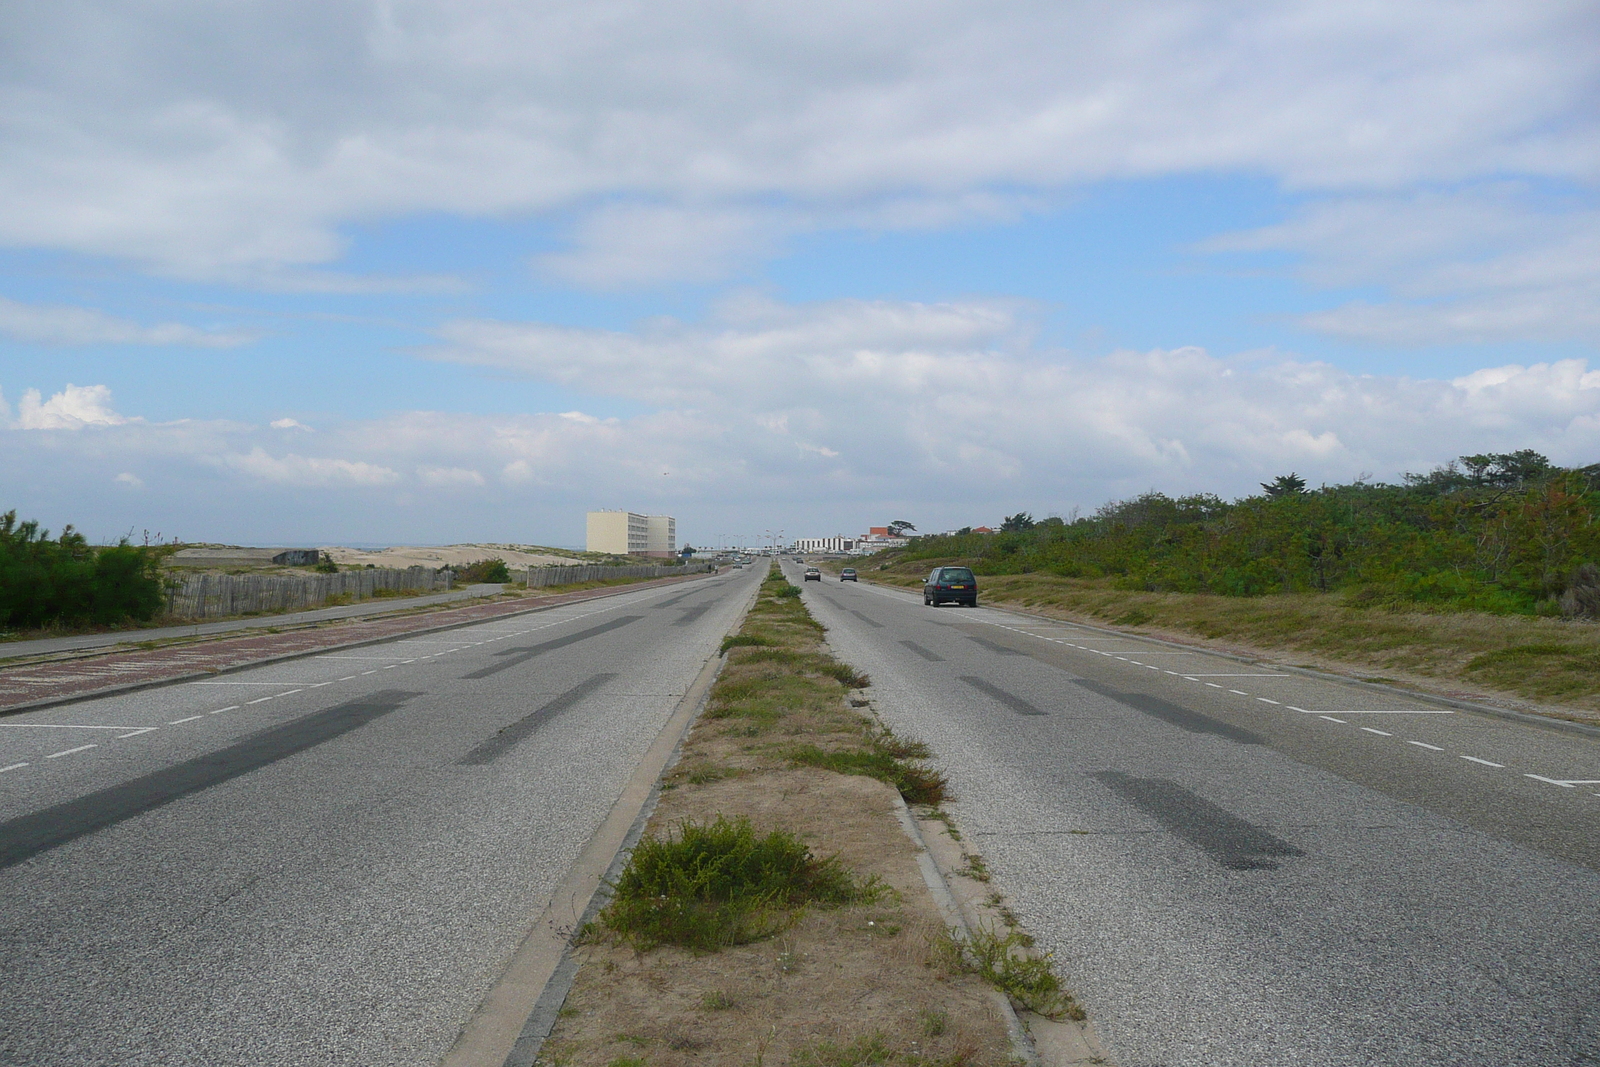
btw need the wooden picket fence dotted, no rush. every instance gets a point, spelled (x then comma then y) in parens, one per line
(208, 596)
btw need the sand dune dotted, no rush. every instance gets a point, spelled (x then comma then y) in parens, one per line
(448, 555)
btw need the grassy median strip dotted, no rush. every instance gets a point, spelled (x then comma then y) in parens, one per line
(774, 913)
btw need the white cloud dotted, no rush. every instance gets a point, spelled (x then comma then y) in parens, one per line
(236, 141)
(449, 477)
(633, 244)
(901, 396)
(825, 415)
(86, 326)
(130, 481)
(1483, 264)
(311, 471)
(75, 407)
(289, 424)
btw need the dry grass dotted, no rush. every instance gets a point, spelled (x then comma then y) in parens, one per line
(1541, 664)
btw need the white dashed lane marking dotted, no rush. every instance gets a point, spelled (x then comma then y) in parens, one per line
(180, 722)
(1122, 655)
(71, 751)
(15, 767)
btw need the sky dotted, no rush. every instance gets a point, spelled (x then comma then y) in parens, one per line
(428, 271)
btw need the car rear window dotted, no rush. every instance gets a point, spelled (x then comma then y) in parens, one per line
(957, 574)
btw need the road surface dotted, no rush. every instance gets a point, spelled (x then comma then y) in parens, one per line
(326, 861)
(1241, 866)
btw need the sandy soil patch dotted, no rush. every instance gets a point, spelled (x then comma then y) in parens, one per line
(837, 976)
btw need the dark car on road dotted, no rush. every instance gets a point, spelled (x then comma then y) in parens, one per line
(848, 574)
(956, 584)
(813, 575)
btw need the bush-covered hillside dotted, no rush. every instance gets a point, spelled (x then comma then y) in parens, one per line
(1502, 532)
(67, 582)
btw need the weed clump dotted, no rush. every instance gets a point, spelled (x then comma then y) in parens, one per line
(917, 782)
(720, 883)
(1004, 962)
(744, 641)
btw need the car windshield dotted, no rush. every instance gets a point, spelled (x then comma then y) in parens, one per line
(956, 574)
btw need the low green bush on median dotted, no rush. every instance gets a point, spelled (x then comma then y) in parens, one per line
(719, 884)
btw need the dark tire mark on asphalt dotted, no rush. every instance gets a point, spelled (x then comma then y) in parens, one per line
(931, 657)
(1231, 841)
(517, 656)
(863, 618)
(29, 835)
(1182, 718)
(692, 615)
(992, 647)
(510, 736)
(1010, 700)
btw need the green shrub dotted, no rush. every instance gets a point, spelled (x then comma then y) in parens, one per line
(484, 570)
(66, 582)
(1498, 533)
(720, 883)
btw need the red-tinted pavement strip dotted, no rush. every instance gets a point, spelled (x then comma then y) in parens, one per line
(46, 684)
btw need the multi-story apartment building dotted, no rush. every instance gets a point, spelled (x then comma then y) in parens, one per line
(624, 533)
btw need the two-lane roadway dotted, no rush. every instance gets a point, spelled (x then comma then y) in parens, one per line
(1239, 865)
(328, 860)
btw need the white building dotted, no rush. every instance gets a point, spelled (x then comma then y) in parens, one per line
(824, 544)
(663, 535)
(624, 533)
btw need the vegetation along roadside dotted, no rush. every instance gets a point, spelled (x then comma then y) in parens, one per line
(774, 912)
(1479, 578)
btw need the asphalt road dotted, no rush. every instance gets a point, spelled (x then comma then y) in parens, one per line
(1236, 865)
(326, 861)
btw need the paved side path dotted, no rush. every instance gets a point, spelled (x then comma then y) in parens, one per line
(51, 683)
(47, 645)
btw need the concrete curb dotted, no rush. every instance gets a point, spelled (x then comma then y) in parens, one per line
(1021, 1043)
(1527, 717)
(156, 683)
